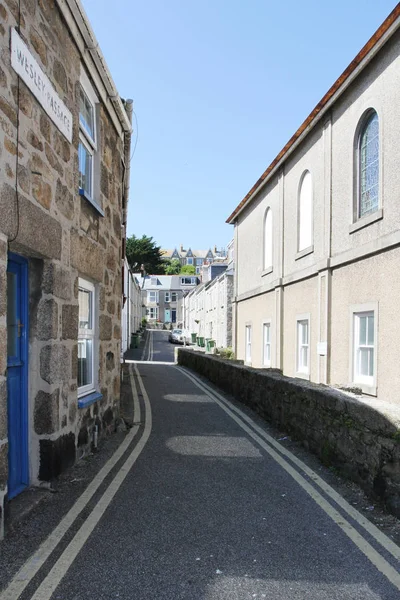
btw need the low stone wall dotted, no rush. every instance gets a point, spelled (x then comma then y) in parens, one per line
(345, 432)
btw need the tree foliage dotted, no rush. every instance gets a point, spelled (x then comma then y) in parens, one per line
(172, 267)
(188, 270)
(144, 251)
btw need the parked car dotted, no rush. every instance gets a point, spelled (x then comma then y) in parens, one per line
(177, 336)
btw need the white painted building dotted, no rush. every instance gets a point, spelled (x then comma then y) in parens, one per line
(317, 238)
(132, 310)
(208, 308)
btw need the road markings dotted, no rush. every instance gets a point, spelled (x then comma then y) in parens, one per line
(366, 548)
(55, 575)
(146, 345)
(28, 571)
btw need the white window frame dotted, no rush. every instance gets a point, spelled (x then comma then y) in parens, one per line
(91, 144)
(174, 296)
(189, 261)
(266, 326)
(89, 334)
(368, 384)
(247, 343)
(154, 310)
(304, 221)
(302, 367)
(167, 297)
(155, 295)
(268, 241)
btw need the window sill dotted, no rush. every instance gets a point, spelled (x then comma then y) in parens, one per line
(369, 390)
(304, 252)
(267, 271)
(91, 201)
(305, 376)
(89, 399)
(365, 221)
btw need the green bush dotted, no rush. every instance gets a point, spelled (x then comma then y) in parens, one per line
(227, 353)
(144, 322)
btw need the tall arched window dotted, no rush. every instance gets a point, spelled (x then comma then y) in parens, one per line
(368, 165)
(305, 212)
(268, 239)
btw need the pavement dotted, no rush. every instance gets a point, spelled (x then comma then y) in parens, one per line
(198, 500)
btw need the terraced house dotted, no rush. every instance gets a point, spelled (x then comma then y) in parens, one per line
(317, 238)
(64, 148)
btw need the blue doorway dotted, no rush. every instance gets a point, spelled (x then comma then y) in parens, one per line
(17, 373)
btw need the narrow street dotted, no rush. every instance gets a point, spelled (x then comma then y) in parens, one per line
(199, 502)
(154, 348)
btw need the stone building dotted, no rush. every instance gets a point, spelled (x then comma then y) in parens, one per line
(317, 238)
(64, 167)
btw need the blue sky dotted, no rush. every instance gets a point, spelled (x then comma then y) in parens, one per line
(219, 86)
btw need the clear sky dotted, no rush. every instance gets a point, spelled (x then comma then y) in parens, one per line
(219, 86)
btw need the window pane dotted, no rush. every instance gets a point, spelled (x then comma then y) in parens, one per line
(370, 330)
(268, 240)
(85, 375)
(85, 169)
(12, 323)
(369, 167)
(364, 361)
(304, 329)
(85, 309)
(371, 362)
(363, 330)
(86, 114)
(305, 212)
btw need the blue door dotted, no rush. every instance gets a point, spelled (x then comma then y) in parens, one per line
(17, 373)
(167, 316)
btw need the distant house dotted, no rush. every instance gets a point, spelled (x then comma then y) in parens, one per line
(197, 258)
(162, 296)
(208, 307)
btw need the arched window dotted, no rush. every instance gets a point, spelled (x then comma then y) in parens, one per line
(268, 239)
(305, 218)
(368, 165)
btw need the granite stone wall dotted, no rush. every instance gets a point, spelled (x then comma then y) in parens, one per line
(345, 432)
(44, 219)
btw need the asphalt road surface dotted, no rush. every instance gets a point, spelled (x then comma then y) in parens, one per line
(157, 348)
(206, 505)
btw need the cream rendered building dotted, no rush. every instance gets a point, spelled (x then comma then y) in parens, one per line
(317, 239)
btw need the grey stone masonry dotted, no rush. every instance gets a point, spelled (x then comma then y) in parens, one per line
(361, 439)
(62, 235)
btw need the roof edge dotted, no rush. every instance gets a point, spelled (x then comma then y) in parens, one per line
(377, 40)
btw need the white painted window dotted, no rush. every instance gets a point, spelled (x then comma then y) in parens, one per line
(188, 280)
(303, 346)
(368, 165)
(268, 239)
(173, 296)
(167, 297)
(248, 343)
(364, 348)
(152, 312)
(189, 261)
(87, 148)
(153, 280)
(86, 337)
(152, 296)
(267, 344)
(305, 216)
(199, 261)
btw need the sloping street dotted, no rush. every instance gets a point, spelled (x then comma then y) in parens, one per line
(200, 502)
